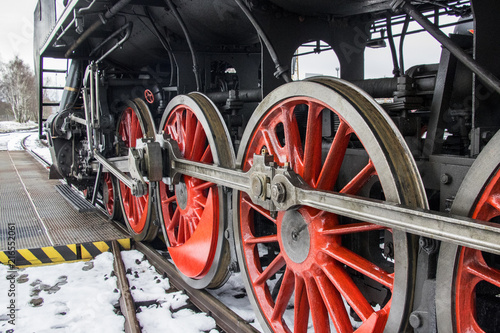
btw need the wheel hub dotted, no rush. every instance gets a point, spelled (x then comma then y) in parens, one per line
(295, 236)
(181, 193)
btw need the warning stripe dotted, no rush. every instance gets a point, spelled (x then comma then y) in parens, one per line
(58, 254)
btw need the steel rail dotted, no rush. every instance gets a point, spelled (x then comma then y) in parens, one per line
(226, 319)
(464, 231)
(127, 305)
(36, 156)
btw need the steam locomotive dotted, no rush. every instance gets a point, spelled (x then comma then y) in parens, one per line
(347, 204)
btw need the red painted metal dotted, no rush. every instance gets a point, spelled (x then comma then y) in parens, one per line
(108, 194)
(149, 96)
(472, 267)
(135, 208)
(192, 231)
(320, 286)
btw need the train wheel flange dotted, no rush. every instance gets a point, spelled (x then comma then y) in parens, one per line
(303, 256)
(194, 212)
(136, 123)
(110, 196)
(468, 280)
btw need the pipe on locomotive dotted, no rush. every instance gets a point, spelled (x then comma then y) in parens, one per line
(280, 70)
(396, 71)
(127, 27)
(109, 14)
(179, 19)
(488, 79)
(166, 46)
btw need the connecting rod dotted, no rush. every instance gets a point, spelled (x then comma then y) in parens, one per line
(279, 188)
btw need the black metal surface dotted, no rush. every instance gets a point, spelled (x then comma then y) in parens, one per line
(74, 199)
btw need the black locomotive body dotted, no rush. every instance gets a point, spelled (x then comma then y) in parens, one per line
(331, 195)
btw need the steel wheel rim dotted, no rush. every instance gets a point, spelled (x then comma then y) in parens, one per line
(136, 123)
(461, 270)
(193, 213)
(301, 276)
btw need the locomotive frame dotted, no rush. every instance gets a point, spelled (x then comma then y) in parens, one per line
(181, 117)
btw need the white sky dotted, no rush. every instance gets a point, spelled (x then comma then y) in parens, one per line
(16, 30)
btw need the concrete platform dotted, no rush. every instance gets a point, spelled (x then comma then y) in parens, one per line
(38, 226)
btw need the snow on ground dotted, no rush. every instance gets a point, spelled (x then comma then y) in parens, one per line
(69, 297)
(234, 296)
(83, 297)
(12, 134)
(162, 311)
(11, 126)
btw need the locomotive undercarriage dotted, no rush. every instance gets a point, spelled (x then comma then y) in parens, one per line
(333, 207)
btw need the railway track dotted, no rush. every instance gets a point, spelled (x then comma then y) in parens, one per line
(226, 319)
(35, 155)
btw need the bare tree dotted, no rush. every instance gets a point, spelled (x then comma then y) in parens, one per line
(17, 87)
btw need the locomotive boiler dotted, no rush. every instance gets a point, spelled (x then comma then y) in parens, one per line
(346, 204)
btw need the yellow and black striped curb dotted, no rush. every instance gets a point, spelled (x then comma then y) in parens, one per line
(59, 254)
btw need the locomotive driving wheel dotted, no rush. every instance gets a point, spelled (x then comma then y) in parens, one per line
(135, 123)
(110, 196)
(468, 280)
(194, 212)
(308, 268)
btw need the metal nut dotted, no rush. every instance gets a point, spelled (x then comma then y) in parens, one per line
(278, 192)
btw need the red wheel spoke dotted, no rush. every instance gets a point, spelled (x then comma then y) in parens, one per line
(301, 307)
(181, 239)
(270, 270)
(293, 144)
(331, 167)
(200, 201)
(199, 143)
(262, 240)
(191, 228)
(359, 180)
(284, 295)
(203, 186)
(272, 143)
(494, 201)
(181, 133)
(190, 131)
(334, 304)
(361, 265)
(258, 208)
(319, 313)
(312, 146)
(351, 228)
(207, 155)
(348, 289)
(486, 273)
(175, 220)
(166, 200)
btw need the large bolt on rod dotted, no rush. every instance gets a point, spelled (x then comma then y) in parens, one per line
(279, 188)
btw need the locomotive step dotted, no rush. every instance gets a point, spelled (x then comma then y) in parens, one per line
(74, 199)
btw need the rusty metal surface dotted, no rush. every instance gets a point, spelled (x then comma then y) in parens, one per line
(42, 217)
